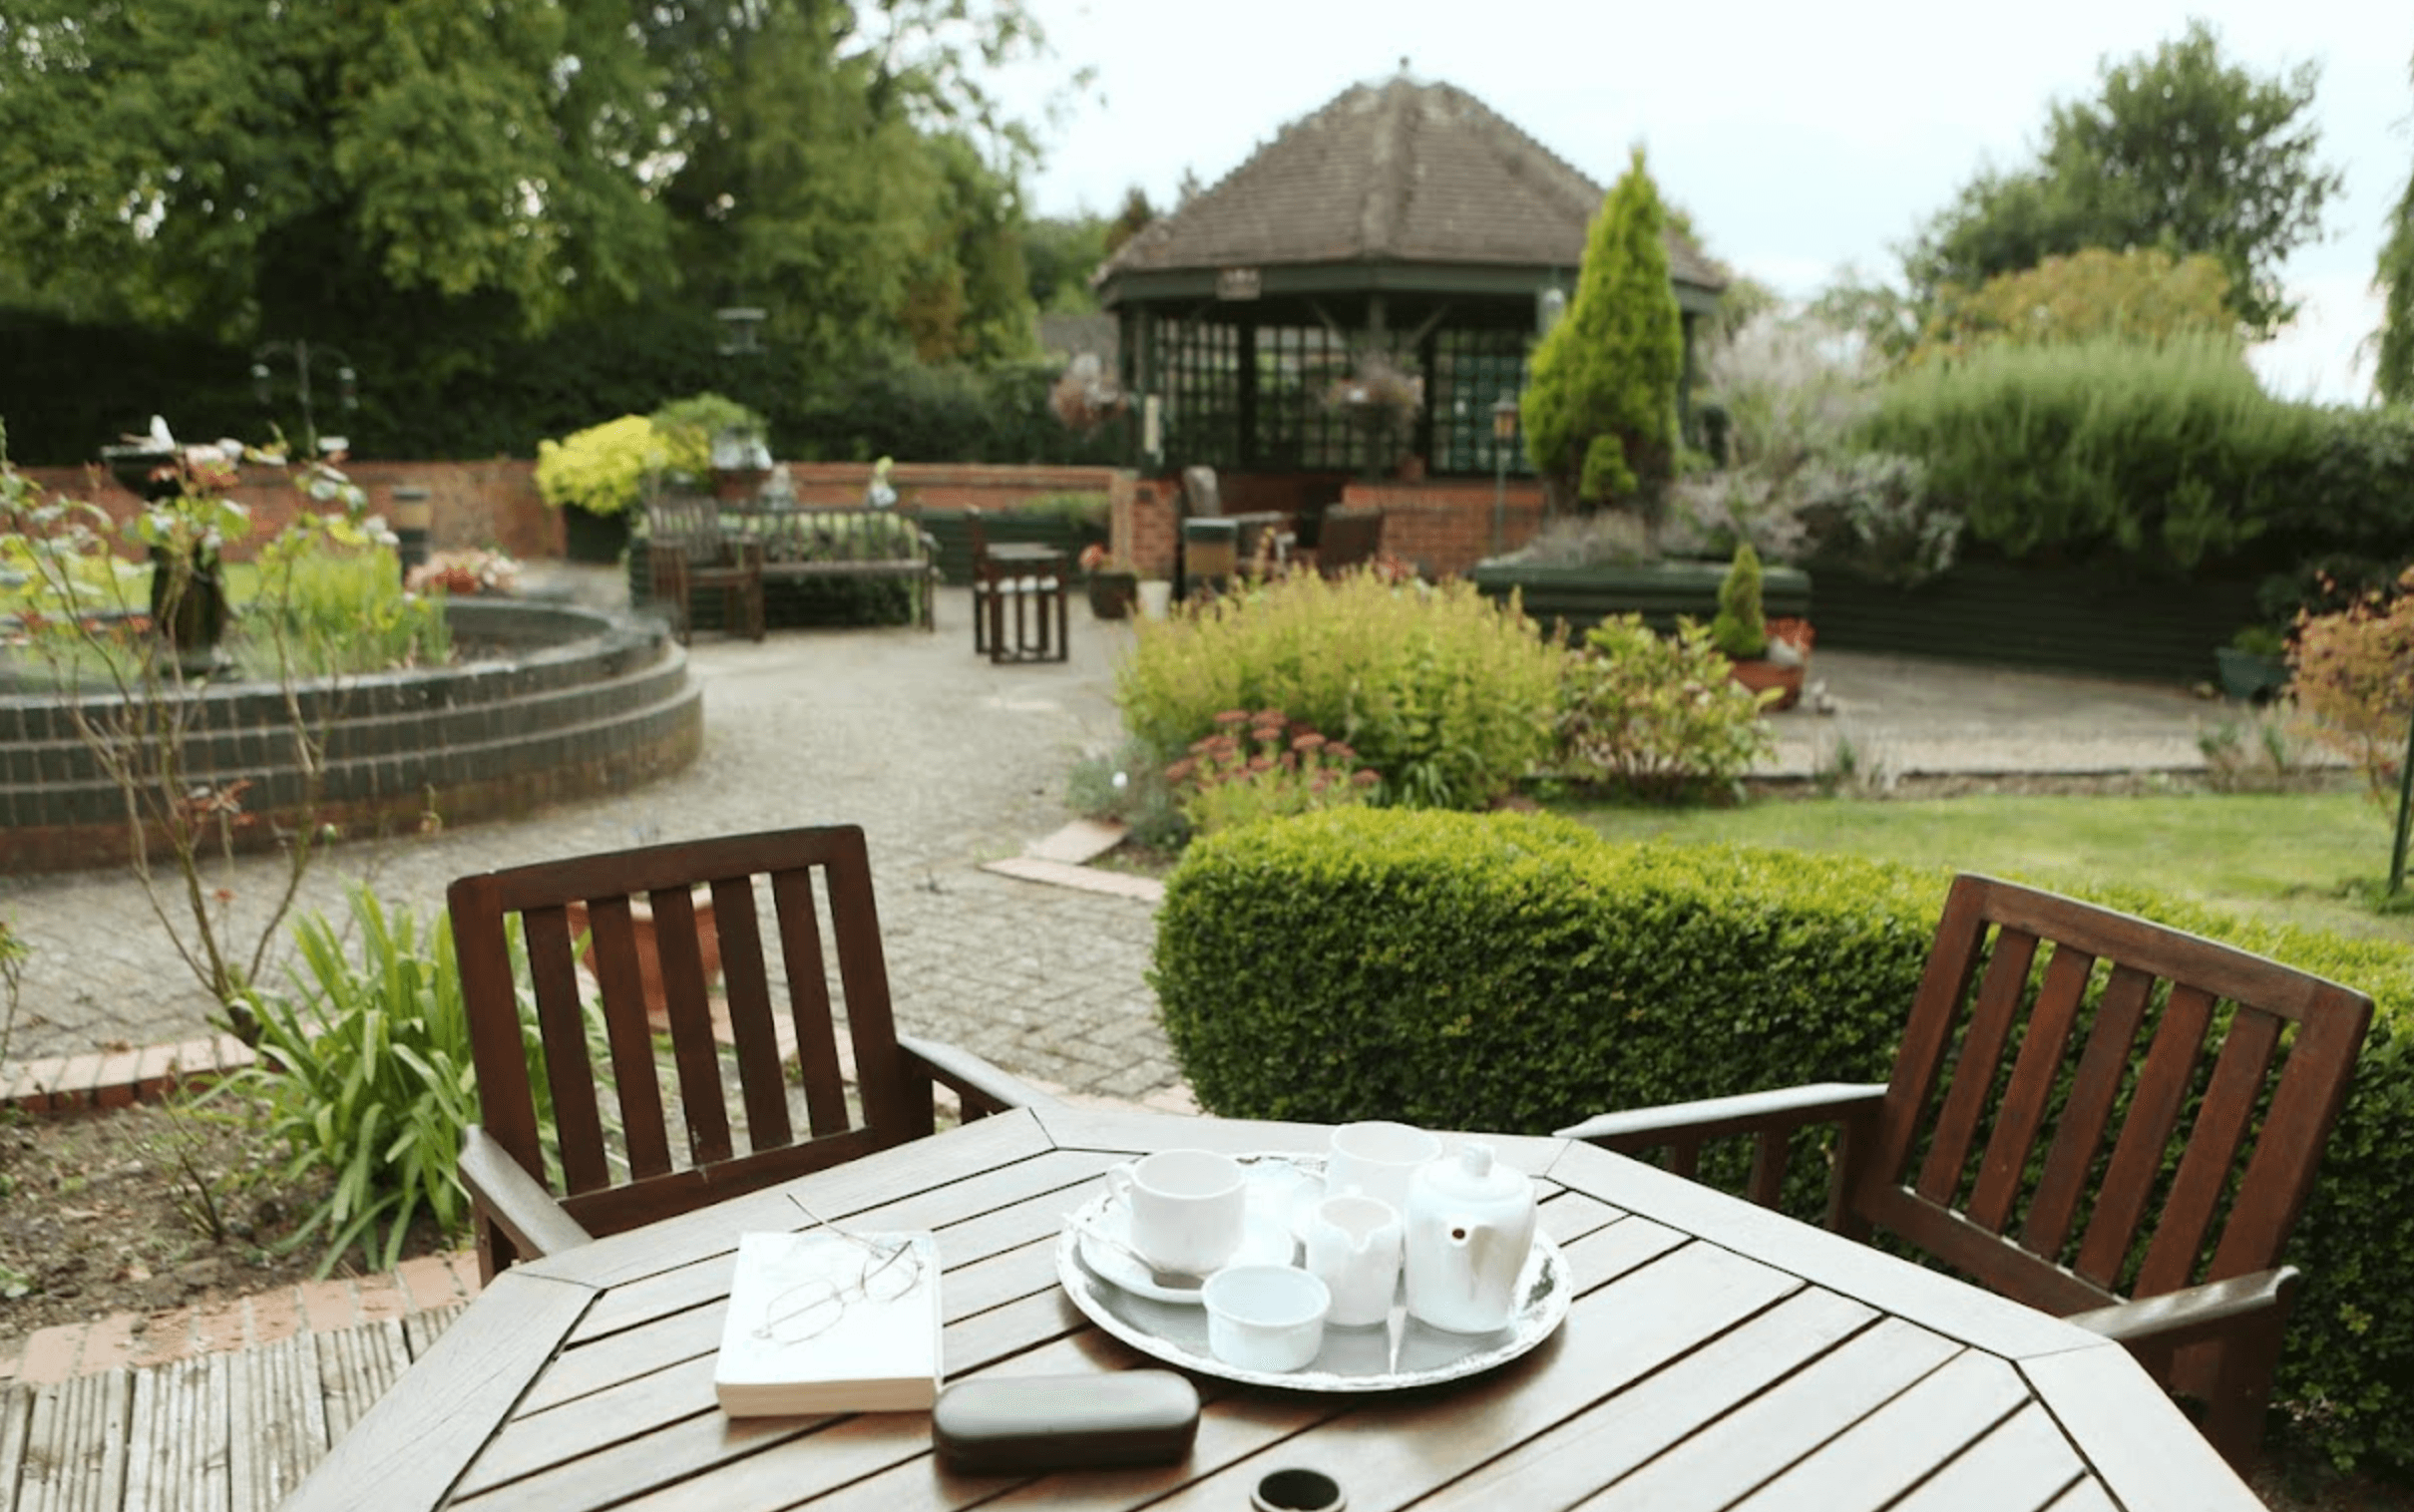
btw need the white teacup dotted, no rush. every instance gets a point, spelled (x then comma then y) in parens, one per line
(1378, 1158)
(1189, 1208)
(1265, 1317)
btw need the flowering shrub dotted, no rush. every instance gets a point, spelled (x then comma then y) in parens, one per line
(603, 469)
(464, 572)
(1271, 770)
(1655, 716)
(2353, 673)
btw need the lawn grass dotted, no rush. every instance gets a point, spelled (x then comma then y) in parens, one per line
(2303, 858)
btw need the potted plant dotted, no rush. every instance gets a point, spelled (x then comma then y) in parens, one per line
(1759, 659)
(1113, 582)
(2255, 665)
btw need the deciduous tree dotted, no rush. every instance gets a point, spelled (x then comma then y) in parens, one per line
(2143, 293)
(2393, 374)
(2180, 150)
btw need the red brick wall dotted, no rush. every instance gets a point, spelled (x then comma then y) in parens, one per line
(947, 486)
(1444, 527)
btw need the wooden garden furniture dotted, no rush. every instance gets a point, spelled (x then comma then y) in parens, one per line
(1351, 539)
(687, 552)
(1019, 585)
(602, 1181)
(2216, 1075)
(1716, 1355)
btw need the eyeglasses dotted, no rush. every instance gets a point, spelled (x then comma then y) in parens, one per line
(891, 1268)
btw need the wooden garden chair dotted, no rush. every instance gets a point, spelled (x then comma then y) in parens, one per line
(519, 1208)
(687, 552)
(1350, 540)
(2216, 1074)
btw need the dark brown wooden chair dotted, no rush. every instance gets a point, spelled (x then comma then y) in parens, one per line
(1020, 599)
(2216, 1074)
(1351, 539)
(513, 1177)
(687, 552)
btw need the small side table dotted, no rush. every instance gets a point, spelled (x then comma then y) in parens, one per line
(1032, 575)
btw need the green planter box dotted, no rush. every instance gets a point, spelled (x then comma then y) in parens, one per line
(1660, 592)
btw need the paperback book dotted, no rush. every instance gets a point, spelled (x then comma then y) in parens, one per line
(829, 1322)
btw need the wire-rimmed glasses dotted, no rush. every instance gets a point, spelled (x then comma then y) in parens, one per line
(891, 1268)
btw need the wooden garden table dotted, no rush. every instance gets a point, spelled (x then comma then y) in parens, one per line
(1717, 1355)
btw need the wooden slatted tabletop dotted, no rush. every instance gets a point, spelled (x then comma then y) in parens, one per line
(1717, 1355)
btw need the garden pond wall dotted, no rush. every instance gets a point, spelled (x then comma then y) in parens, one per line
(560, 702)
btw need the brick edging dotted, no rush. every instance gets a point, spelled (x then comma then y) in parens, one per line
(117, 1078)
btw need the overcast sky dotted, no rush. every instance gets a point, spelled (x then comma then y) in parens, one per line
(1803, 138)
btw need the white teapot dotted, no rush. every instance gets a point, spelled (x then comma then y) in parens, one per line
(1471, 1226)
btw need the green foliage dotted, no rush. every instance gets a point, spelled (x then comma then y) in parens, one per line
(1448, 695)
(2141, 293)
(1507, 971)
(1600, 411)
(2180, 151)
(320, 609)
(1658, 717)
(1739, 629)
(1261, 766)
(686, 428)
(603, 469)
(2352, 672)
(2165, 454)
(367, 1076)
(1128, 787)
(2393, 369)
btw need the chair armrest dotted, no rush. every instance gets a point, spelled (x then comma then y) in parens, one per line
(1745, 1113)
(983, 1087)
(2177, 1318)
(523, 1210)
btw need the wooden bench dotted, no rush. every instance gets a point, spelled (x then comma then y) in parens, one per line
(689, 551)
(842, 545)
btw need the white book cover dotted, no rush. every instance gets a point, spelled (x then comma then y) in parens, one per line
(825, 1322)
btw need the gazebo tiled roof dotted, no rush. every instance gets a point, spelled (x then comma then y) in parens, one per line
(1397, 172)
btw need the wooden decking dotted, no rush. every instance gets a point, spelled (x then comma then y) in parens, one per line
(225, 1432)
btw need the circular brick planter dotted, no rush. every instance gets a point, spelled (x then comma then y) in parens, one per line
(572, 703)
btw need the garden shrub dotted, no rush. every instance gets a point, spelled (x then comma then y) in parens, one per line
(1739, 630)
(1447, 695)
(2352, 672)
(686, 428)
(2165, 453)
(603, 469)
(1262, 766)
(1658, 717)
(1515, 972)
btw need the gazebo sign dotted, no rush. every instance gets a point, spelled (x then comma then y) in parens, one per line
(1236, 283)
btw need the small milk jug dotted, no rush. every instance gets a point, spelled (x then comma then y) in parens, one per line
(1471, 1226)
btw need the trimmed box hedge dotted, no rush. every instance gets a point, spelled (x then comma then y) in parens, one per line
(1515, 971)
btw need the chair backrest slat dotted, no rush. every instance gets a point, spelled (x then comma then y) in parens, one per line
(2043, 1050)
(612, 944)
(2304, 1107)
(2103, 1067)
(690, 1009)
(566, 1067)
(1967, 1096)
(655, 957)
(748, 991)
(809, 1000)
(2143, 1143)
(2213, 1142)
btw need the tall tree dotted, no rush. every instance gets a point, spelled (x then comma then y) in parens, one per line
(2181, 151)
(234, 167)
(1600, 412)
(2393, 373)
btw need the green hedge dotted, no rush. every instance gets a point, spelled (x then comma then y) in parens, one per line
(1515, 972)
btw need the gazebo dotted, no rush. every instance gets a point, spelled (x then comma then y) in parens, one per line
(1404, 219)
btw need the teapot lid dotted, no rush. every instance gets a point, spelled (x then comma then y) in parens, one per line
(1471, 1175)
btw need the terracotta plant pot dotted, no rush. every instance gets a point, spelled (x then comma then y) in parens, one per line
(650, 958)
(1112, 594)
(1757, 674)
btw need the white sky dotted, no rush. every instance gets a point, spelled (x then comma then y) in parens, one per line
(1801, 137)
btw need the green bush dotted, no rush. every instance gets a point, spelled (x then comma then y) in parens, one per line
(1445, 693)
(368, 1076)
(1739, 629)
(688, 426)
(2167, 452)
(1513, 972)
(603, 469)
(1259, 766)
(334, 611)
(1660, 717)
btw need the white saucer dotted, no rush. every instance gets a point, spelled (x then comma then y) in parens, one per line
(1265, 1241)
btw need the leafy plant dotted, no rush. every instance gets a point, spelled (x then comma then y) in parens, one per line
(1447, 695)
(322, 609)
(603, 469)
(1739, 630)
(367, 1076)
(2353, 675)
(1262, 766)
(1129, 788)
(685, 429)
(1658, 717)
